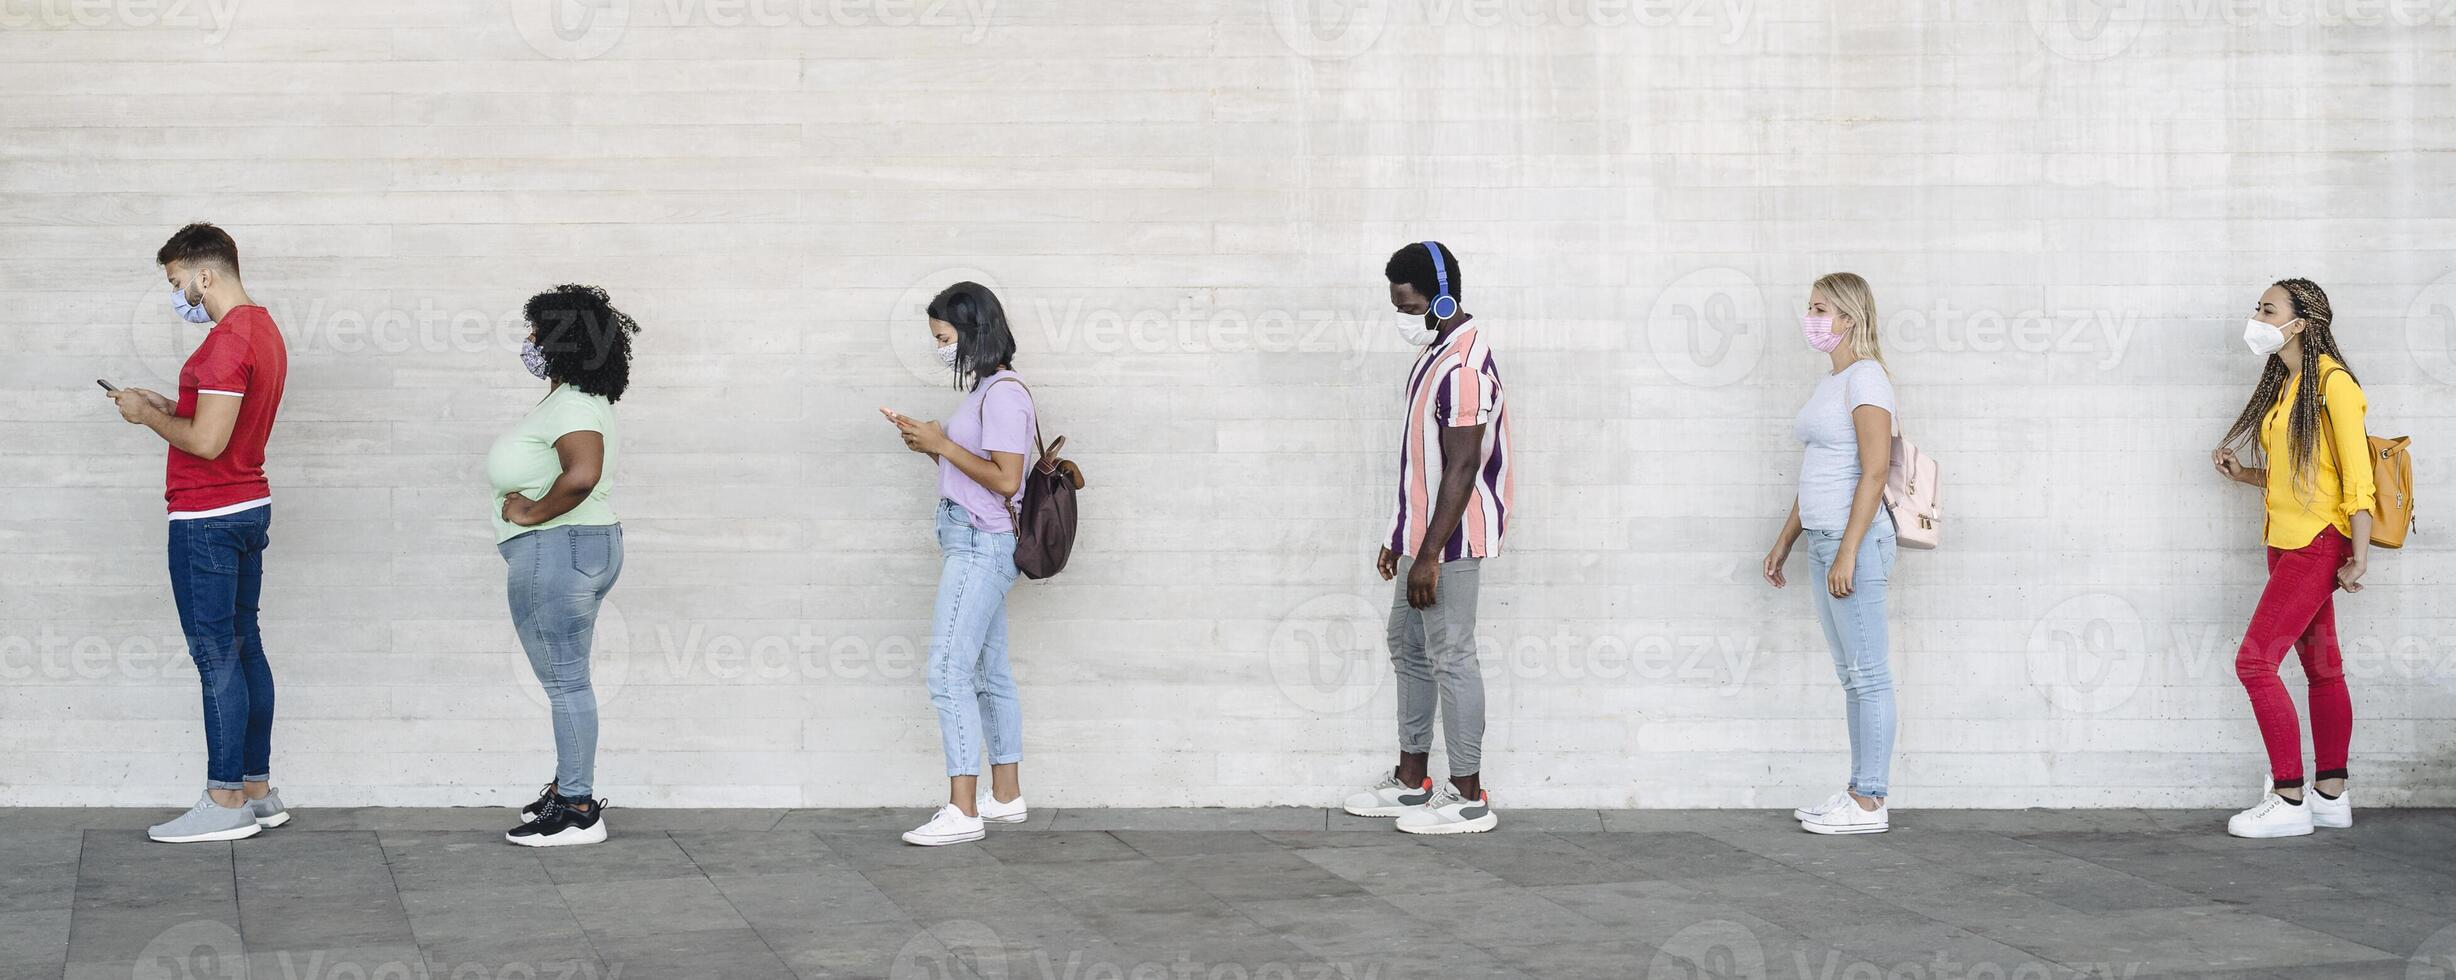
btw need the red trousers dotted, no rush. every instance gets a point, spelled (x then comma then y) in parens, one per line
(2298, 610)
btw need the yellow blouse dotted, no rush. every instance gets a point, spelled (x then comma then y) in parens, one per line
(2341, 479)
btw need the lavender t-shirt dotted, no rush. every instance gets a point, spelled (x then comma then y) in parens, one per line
(996, 417)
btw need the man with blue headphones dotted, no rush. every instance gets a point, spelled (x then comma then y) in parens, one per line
(1452, 504)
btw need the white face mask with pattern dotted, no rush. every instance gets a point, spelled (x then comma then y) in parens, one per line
(946, 356)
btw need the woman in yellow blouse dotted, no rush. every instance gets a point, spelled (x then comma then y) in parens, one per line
(2306, 417)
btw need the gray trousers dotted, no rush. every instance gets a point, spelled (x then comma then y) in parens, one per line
(1433, 651)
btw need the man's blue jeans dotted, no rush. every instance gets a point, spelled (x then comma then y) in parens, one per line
(217, 575)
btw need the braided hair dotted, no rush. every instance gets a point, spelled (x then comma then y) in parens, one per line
(2303, 427)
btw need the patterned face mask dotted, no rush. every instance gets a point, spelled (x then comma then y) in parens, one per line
(533, 357)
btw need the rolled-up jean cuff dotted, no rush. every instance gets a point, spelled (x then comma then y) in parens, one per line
(223, 784)
(262, 777)
(1006, 760)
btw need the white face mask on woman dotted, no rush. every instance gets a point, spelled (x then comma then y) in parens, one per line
(2263, 338)
(946, 356)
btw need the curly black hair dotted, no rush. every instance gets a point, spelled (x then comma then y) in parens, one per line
(586, 340)
(1412, 265)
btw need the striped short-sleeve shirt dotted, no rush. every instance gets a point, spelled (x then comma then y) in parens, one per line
(1455, 382)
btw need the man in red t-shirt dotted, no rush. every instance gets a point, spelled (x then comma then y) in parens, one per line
(220, 510)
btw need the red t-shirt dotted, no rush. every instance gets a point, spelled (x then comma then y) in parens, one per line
(242, 355)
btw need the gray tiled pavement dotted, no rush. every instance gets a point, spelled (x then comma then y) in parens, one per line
(358, 894)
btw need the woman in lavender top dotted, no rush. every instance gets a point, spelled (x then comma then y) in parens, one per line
(980, 452)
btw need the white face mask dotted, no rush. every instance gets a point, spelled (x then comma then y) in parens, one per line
(946, 356)
(1414, 332)
(2263, 338)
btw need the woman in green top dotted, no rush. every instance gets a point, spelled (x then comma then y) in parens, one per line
(553, 477)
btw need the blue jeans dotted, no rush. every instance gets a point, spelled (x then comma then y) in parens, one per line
(217, 576)
(970, 682)
(1855, 629)
(556, 580)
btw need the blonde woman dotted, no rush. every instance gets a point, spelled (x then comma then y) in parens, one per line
(2306, 417)
(1847, 430)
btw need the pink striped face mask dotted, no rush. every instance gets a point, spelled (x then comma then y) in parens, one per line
(1819, 330)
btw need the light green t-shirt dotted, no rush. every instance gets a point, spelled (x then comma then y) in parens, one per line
(524, 460)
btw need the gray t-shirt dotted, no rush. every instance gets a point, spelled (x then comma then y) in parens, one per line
(1829, 467)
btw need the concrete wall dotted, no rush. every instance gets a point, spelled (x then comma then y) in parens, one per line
(1186, 206)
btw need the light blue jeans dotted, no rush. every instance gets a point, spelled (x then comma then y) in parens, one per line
(556, 580)
(1855, 630)
(970, 682)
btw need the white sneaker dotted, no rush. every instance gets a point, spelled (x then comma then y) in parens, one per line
(1449, 813)
(1839, 797)
(1390, 798)
(949, 826)
(1851, 818)
(2336, 814)
(2271, 817)
(996, 812)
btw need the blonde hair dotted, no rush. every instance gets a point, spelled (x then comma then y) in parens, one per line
(1852, 297)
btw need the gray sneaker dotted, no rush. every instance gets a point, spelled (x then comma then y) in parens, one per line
(269, 811)
(207, 821)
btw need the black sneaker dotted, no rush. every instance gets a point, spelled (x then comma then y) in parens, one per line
(558, 823)
(528, 813)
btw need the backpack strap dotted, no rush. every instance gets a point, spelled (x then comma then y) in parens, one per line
(980, 411)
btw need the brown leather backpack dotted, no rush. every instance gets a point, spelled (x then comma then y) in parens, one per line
(1045, 524)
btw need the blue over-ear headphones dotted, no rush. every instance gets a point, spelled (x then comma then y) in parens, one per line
(1445, 305)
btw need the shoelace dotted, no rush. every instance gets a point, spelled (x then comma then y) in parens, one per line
(554, 808)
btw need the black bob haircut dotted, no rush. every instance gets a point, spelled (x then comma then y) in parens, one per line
(586, 340)
(983, 344)
(1414, 266)
(200, 243)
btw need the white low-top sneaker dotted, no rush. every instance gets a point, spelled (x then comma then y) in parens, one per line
(2336, 814)
(1011, 811)
(1839, 797)
(1390, 798)
(1449, 813)
(1851, 818)
(949, 826)
(2271, 817)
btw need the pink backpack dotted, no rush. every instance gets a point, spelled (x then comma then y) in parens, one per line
(1911, 493)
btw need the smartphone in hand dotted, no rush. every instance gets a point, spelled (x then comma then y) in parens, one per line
(900, 421)
(106, 386)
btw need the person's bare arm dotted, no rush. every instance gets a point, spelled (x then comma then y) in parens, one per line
(1461, 447)
(582, 454)
(1874, 428)
(203, 435)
